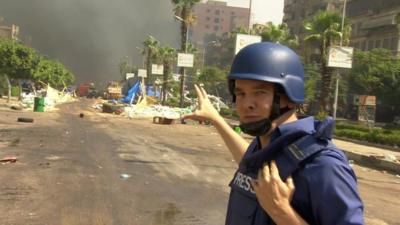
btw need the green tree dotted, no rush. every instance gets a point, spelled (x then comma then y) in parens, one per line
(324, 30)
(214, 81)
(17, 62)
(53, 73)
(275, 33)
(151, 46)
(376, 72)
(167, 55)
(183, 9)
(125, 67)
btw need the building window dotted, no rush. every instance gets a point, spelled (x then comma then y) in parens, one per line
(395, 43)
(364, 46)
(216, 28)
(358, 28)
(378, 44)
(208, 18)
(386, 43)
(216, 20)
(217, 12)
(232, 13)
(207, 26)
(370, 44)
(208, 10)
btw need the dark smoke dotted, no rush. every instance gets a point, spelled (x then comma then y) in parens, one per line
(91, 37)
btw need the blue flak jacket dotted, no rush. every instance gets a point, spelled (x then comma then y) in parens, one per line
(325, 185)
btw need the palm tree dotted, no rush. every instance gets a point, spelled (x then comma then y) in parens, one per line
(167, 55)
(183, 10)
(151, 46)
(324, 30)
(276, 33)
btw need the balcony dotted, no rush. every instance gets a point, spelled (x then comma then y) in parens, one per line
(380, 21)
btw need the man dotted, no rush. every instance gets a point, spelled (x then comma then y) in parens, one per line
(291, 173)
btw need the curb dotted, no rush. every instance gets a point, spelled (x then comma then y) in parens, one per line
(373, 162)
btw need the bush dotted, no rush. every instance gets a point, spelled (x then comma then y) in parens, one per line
(377, 135)
(15, 91)
(228, 112)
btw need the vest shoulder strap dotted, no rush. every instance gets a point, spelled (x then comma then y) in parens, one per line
(298, 152)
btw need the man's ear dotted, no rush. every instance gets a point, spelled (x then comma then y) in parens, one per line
(291, 105)
(285, 101)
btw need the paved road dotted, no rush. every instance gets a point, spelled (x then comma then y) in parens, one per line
(69, 172)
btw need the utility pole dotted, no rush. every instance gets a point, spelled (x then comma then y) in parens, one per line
(337, 70)
(250, 4)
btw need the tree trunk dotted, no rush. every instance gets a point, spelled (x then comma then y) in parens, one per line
(148, 66)
(184, 28)
(326, 80)
(20, 90)
(165, 80)
(8, 87)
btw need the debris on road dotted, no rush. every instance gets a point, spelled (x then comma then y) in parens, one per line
(162, 120)
(124, 176)
(391, 158)
(53, 157)
(25, 120)
(9, 159)
(15, 107)
(81, 115)
(142, 111)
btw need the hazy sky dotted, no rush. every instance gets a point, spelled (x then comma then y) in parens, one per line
(262, 10)
(91, 37)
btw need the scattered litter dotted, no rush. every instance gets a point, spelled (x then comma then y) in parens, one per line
(9, 159)
(146, 183)
(238, 130)
(162, 120)
(25, 120)
(14, 107)
(81, 115)
(53, 157)
(351, 163)
(124, 176)
(398, 176)
(47, 164)
(390, 157)
(142, 111)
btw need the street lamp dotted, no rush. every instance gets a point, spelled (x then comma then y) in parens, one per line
(337, 71)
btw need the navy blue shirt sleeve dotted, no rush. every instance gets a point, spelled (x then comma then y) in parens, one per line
(333, 192)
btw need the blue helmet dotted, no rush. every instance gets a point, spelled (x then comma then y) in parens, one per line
(272, 63)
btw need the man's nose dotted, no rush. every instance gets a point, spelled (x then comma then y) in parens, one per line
(249, 103)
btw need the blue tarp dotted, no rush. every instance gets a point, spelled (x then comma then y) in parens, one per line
(150, 92)
(132, 93)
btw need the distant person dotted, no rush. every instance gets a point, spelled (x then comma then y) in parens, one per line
(291, 173)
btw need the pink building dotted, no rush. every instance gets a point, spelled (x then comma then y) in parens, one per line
(216, 18)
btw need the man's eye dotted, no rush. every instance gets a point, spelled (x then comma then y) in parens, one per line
(261, 92)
